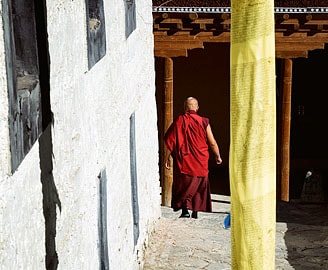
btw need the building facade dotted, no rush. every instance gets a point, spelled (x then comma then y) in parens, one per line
(79, 176)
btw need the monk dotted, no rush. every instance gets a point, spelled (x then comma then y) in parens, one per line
(188, 140)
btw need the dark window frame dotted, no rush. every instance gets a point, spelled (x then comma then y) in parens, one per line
(96, 31)
(23, 85)
(130, 17)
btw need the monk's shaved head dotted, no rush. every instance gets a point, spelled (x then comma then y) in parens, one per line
(191, 103)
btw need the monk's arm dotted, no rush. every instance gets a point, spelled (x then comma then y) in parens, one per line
(213, 144)
(167, 162)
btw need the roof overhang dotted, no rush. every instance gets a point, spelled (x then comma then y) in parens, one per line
(298, 30)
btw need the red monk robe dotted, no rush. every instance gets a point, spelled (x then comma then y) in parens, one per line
(187, 141)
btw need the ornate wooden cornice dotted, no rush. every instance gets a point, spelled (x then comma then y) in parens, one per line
(297, 10)
(177, 29)
(227, 3)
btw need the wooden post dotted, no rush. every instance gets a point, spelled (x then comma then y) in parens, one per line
(285, 129)
(168, 119)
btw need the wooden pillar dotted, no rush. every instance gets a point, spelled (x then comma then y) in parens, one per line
(168, 119)
(285, 128)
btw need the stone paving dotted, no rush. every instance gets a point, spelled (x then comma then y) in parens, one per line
(203, 243)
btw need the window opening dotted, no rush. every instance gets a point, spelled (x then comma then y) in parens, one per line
(134, 180)
(22, 67)
(130, 17)
(102, 223)
(96, 32)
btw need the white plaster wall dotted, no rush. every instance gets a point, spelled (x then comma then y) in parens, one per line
(22, 242)
(90, 132)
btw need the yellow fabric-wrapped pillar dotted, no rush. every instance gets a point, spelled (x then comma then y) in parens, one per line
(253, 135)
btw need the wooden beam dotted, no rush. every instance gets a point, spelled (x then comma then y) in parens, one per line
(210, 36)
(202, 36)
(316, 22)
(178, 45)
(214, 36)
(171, 53)
(302, 46)
(163, 35)
(291, 54)
(203, 21)
(299, 37)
